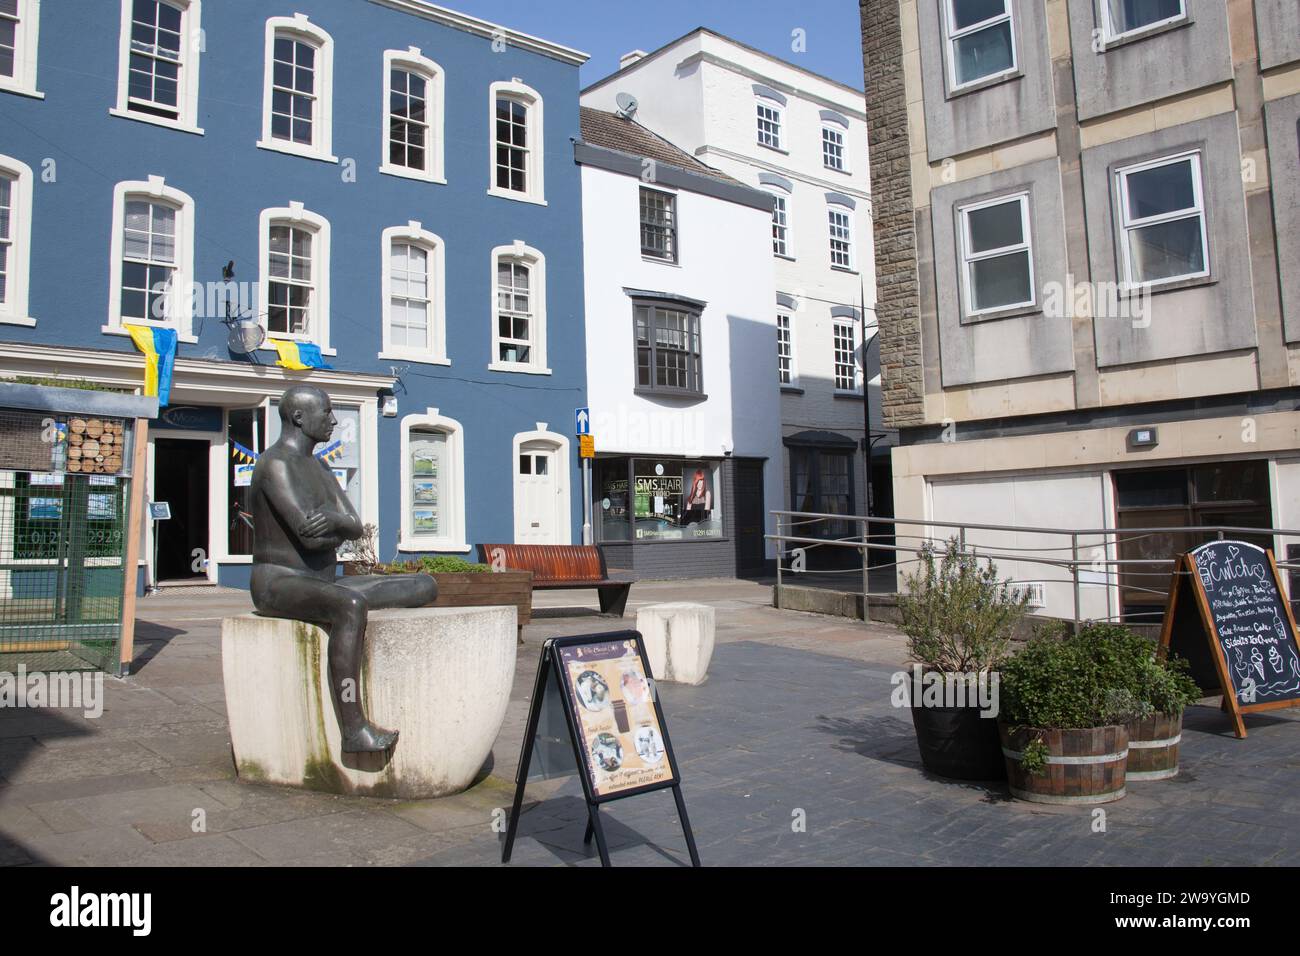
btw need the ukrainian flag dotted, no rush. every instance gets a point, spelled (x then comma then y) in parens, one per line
(298, 355)
(159, 348)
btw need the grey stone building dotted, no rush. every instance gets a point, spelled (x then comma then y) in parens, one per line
(1087, 225)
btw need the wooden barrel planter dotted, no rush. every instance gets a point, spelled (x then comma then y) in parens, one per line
(1153, 747)
(1083, 766)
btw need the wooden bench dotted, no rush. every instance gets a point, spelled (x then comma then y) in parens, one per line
(561, 566)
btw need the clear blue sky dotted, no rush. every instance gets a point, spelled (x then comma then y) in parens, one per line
(607, 30)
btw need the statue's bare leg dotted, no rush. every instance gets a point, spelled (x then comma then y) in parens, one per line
(342, 612)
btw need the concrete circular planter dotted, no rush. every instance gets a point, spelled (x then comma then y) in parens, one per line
(441, 676)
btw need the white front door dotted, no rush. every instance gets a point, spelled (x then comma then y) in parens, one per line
(537, 494)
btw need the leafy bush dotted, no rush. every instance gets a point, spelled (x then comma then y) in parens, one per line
(1061, 680)
(957, 615)
(1106, 674)
(446, 564)
(429, 564)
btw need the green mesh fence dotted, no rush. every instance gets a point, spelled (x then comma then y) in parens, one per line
(64, 498)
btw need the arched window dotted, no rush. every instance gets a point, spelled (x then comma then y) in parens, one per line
(518, 309)
(158, 63)
(517, 167)
(152, 258)
(414, 295)
(412, 130)
(15, 240)
(294, 291)
(298, 89)
(433, 484)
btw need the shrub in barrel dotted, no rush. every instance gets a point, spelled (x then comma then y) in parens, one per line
(958, 618)
(1067, 702)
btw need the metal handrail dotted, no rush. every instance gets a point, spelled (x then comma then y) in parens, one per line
(1079, 540)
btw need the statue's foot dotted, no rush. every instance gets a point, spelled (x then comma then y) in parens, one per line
(368, 739)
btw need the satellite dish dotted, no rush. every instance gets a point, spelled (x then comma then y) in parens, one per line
(627, 104)
(244, 337)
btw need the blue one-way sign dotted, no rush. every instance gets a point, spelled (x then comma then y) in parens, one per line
(582, 421)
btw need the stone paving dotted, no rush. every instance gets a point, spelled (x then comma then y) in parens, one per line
(790, 755)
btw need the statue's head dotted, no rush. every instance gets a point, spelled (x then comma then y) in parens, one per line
(308, 409)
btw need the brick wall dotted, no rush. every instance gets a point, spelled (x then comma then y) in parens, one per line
(897, 298)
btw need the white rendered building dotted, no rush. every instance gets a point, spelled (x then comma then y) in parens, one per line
(678, 288)
(802, 138)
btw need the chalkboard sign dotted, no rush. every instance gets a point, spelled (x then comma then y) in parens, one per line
(599, 688)
(1227, 615)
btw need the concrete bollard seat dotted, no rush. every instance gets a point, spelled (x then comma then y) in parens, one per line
(440, 675)
(678, 640)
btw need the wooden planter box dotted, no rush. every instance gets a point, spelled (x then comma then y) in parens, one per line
(478, 588)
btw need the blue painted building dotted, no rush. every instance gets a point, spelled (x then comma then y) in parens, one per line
(392, 182)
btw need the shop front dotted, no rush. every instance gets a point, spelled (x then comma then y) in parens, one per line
(675, 517)
(202, 447)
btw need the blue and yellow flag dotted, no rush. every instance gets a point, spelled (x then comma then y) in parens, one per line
(159, 348)
(298, 355)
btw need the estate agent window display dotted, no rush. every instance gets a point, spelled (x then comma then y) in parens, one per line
(658, 499)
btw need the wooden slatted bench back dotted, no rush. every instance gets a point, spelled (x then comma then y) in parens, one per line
(551, 563)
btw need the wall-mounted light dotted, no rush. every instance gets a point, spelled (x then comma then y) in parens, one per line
(1143, 438)
(389, 404)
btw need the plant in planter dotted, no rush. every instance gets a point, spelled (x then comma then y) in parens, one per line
(1067, 701)
(1161, 681)
(464, 583)
(958, 618)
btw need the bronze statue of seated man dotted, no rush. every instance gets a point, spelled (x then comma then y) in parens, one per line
(300, 518)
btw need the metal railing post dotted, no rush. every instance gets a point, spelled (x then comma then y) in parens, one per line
(780, 559)
(866, 571)
(1074, 570)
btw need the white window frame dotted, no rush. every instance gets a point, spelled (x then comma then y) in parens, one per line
(14, 309)
(536, 262)
(187, 94)
(788, 314)
(778, 112)
(535, 171)
(413, 61)
(564, 512)
(837, 130)
(180, 304)
(1125, 225)
(846, 322)
(298, 27)
(454, 537)
(415, 234)
(1110, 35)
(786, 198)
(848, 212)
(295, 215)
(675, 253)
(26, 47)
(953, 35)
(969, 258)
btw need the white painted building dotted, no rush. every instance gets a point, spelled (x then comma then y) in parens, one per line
(680, 333)
(802, 138)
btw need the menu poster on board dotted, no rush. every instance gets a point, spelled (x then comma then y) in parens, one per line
(612, 723)
(622, 740)
(1228, 617)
